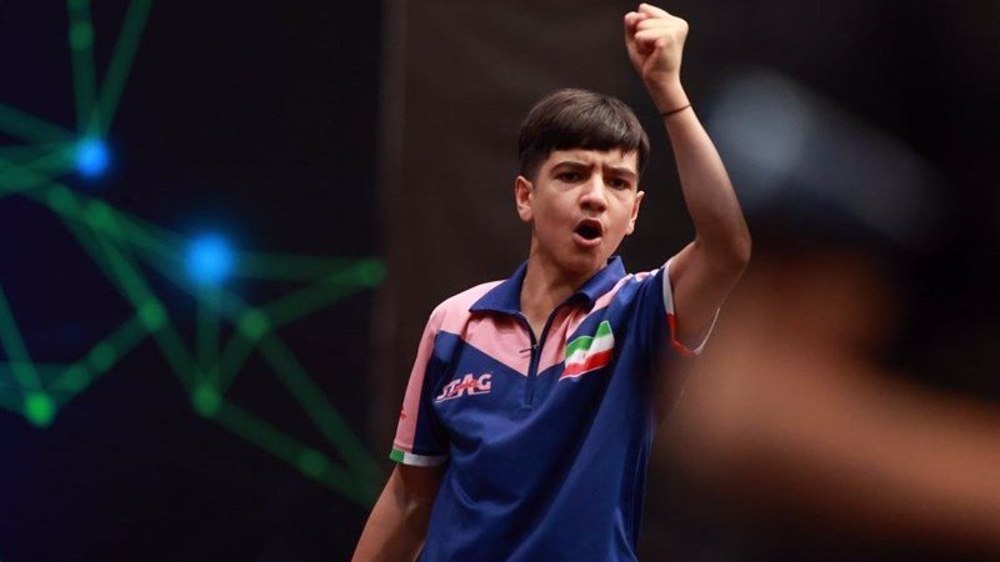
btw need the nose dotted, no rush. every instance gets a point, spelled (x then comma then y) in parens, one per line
(594, 196)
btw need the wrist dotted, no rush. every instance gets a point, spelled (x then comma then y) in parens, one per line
(668, 95)
(669, 112)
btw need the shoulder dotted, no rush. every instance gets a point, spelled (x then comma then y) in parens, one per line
(632, 286)
(454, 311)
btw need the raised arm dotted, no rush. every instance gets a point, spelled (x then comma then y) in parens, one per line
(398, 523)
(703, 273)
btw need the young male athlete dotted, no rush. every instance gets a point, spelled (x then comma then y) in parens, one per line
(528, 417)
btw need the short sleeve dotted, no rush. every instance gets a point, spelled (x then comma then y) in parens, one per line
(420, 440)
(688, 349)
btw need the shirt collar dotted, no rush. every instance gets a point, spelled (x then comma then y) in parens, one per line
(506, 297)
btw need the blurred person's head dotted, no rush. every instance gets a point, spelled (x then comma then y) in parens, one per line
(813, 177)
(837, 208)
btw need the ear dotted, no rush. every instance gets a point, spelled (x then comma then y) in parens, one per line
(523, 190)
(635, 212)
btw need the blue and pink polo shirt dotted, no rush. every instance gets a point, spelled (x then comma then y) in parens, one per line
(546, 440)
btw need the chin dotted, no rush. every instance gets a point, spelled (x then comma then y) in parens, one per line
(584, 265)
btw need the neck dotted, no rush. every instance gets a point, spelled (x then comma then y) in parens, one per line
(546, 286)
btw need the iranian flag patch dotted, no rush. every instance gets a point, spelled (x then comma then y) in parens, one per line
(588, 353)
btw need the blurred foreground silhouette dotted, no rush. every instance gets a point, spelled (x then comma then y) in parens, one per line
(792, 419)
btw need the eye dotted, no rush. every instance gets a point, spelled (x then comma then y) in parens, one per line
(570, 177)
(618, 183)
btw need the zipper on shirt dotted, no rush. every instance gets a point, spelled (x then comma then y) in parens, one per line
(536, 352)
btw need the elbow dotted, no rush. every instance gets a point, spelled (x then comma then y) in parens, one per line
(727, 245)
(416, 508)
(413, 490)
(742, 249)
(413, 507)
(732, 255)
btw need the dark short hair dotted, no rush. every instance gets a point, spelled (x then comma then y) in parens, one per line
(573, 118)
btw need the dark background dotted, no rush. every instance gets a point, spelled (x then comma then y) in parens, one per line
(257, 120)
(388, 129)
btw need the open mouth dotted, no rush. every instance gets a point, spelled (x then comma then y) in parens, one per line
(588, 230)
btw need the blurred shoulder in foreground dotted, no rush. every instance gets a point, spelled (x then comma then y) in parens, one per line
(793, 414)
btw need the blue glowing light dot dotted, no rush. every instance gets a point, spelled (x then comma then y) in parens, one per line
(92, 157)
(209, 259)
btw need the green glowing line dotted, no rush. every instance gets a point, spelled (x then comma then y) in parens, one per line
(37, 165)
(148, 236)
(130, 230)
(54, 192)
(313, 401)
(250, 322)
(259, 265)
(102, 230)
(56, 163)
(177, 355)
(103, 356)
(156, 247)
(81, 42)
(306, 301)
(15, 182)
(335, 287)
(229, 305)
(289, 450)
(124, 276)
(240, 346)
(129, 279)
(67, 206)
(208, 332)
(23, 125)
(251, 325)
(21, 179)
(46, 372)
(232, 359)
(138, 293)
(73, 380)
(360, 274)
(13, 344)
(11, 402)
(154, 230)
(121, 60)
(20, 153)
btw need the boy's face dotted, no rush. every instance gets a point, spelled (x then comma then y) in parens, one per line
(581, 205)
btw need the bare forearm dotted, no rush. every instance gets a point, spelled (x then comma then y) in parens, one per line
(708, 192)
(398, 523)
(390, 535)
(655, 41)
(706, 270)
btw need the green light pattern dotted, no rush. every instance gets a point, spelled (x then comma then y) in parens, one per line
(17, 123)
(121, 60)
(127, 250)
(10, 338)
(39, 409)
(81, 44)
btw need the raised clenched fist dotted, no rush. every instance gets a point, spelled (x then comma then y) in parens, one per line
(655, 42)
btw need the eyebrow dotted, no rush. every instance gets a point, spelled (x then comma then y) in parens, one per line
(620, 170)
(624, 171)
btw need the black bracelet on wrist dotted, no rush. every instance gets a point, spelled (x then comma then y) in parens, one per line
(673, 111)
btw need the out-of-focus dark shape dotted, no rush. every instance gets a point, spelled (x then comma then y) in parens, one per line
(790, 420)
(811, 170)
